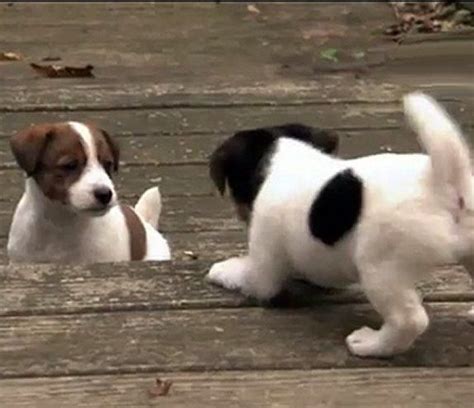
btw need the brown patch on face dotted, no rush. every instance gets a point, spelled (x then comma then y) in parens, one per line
(53, 155)
(137, 233)
(108, 151)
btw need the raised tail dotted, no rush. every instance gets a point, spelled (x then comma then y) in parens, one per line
(149, 206)
(444, 143)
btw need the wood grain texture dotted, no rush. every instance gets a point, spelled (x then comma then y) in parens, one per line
(179, 214)
(195, 45)
(361, 388)
(217, 339)
(48, 289)
(203, 245)
(131, 182)
(157, 149)
(98, 335)
(196, 120)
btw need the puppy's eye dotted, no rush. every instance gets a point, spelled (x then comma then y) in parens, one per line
(69, 166)
(108, 165)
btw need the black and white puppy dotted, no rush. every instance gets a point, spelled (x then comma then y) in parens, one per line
(240, 161)
(384, 221)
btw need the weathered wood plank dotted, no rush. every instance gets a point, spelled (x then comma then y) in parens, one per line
(123, 41)
(48, 289)
(225, 120)
(205, 245)
(364, 388)
(195, 149)
(192, 180)
(179, 214)
(89, 95)
(191, 176)
(221, 339)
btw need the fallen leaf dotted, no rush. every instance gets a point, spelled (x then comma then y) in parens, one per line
(252, 8)
(329, 54)
(57, 71)
(161, 388)
(191, 254)
(10, 56)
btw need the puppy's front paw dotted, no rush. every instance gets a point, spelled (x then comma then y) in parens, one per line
(228, 274)
(367, 342)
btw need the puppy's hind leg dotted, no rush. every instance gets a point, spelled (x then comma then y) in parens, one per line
(397, 301)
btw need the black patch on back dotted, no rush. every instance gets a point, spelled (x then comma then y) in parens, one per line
(240, 160)
(337, 208)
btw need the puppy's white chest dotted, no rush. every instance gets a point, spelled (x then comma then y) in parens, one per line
(33, 238)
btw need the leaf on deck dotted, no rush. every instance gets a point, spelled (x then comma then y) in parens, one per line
(57, 71)
(10, 56)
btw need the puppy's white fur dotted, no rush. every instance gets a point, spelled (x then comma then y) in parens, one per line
(418, 212)
(43, 230)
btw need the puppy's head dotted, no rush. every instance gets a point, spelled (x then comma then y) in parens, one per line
(239, 162)
(72, 163)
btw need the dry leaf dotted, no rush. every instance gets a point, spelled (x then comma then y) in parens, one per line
(329, 54)
(191, 254)
(161, 388)
(427, 17)
(10, 56)
(252, 8)
(57, 71)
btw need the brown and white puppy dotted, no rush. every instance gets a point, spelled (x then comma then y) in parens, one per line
(69, 212)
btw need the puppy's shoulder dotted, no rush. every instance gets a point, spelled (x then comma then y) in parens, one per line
(336, 209)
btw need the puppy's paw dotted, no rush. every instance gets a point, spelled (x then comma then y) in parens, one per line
(367, 342)
(229, 274)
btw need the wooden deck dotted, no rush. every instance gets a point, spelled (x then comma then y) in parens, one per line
(171, 82)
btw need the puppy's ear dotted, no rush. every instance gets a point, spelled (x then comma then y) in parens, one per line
(29, 145)
(329, 141)
(218, 167)
(114, 148)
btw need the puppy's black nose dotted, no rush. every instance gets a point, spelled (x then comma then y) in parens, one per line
(103, 195)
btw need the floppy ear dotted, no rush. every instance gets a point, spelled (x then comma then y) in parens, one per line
(114, 148)
(28, 146)
(330, 142)
(217, 167)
